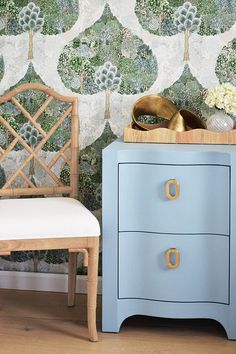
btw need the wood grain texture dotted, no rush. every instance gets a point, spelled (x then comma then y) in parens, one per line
(47, 243)
(81, 250)
(28, 116)
(72, 271)
(90, 244)
(194, 136)
(43, 324)
(92, 290)
(36, 86)
(71, 144)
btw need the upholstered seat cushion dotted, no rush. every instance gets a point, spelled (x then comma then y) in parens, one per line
(30, 218)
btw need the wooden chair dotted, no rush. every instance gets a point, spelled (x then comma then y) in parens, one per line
(54, 222)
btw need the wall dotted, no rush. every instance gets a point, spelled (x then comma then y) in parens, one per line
(109, 53)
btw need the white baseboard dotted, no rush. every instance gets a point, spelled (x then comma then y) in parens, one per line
(43, 282)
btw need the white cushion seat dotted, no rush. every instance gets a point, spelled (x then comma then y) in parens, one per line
(57, 217)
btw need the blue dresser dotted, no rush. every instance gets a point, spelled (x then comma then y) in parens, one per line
(169, 232)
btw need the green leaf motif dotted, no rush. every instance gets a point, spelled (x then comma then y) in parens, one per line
(48, 16)
(31, 18)
(82, 62)
(186, 18)
(2, 177)
(90, 177)
(32, 100)
(107, 77)
(56, 256)
(31, 135)
(226, 64)
(188, 93)
(157, 16)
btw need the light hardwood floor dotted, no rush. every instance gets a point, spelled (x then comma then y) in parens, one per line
(41, 323)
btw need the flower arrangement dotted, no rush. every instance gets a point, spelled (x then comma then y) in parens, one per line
(222, 97)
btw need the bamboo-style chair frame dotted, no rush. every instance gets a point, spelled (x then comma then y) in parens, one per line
(89, 246)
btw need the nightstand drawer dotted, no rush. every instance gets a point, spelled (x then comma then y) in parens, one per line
(174, 198)
(174, 268)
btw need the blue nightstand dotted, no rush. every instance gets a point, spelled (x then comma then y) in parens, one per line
(169, 232)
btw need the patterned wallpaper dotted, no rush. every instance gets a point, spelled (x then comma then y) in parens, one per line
(109, 53)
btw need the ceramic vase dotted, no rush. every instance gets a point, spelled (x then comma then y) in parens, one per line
(220, 122)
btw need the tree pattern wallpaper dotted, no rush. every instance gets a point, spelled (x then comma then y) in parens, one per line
(108, 53)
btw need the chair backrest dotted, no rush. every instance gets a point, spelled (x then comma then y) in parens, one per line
(26, 141)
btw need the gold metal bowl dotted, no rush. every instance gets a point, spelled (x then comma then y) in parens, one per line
(152, 105)
(161, 107)
(192, 121)
(185, 120)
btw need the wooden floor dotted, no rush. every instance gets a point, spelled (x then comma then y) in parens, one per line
(41, 323)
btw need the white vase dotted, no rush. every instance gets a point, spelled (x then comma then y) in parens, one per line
(220, 122)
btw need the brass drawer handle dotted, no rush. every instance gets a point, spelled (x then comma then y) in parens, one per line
(172, 182)
(169, 263)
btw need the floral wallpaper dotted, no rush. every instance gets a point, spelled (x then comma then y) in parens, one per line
(108, 53)
(226, 63)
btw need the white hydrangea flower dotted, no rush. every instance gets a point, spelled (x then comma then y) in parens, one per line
(222, 97)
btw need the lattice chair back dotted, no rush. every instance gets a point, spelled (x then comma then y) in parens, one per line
(38, 142)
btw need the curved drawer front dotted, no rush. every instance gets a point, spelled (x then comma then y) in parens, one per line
(174, 198)
(149, 268)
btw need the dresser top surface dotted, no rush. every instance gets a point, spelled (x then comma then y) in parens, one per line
(119, 145)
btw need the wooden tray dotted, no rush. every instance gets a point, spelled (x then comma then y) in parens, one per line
(194, 136)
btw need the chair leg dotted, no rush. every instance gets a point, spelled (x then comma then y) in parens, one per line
(92, 290)
(72, 269)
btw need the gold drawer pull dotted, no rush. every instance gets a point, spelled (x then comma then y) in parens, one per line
(172, 182)
(175, 252)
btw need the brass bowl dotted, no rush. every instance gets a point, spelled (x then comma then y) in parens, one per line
(177, 123)
(153, 105)
(192, 121)
(185, 120)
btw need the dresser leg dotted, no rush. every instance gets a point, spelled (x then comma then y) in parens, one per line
(231, 329)
(111, 320)
(110, 326)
